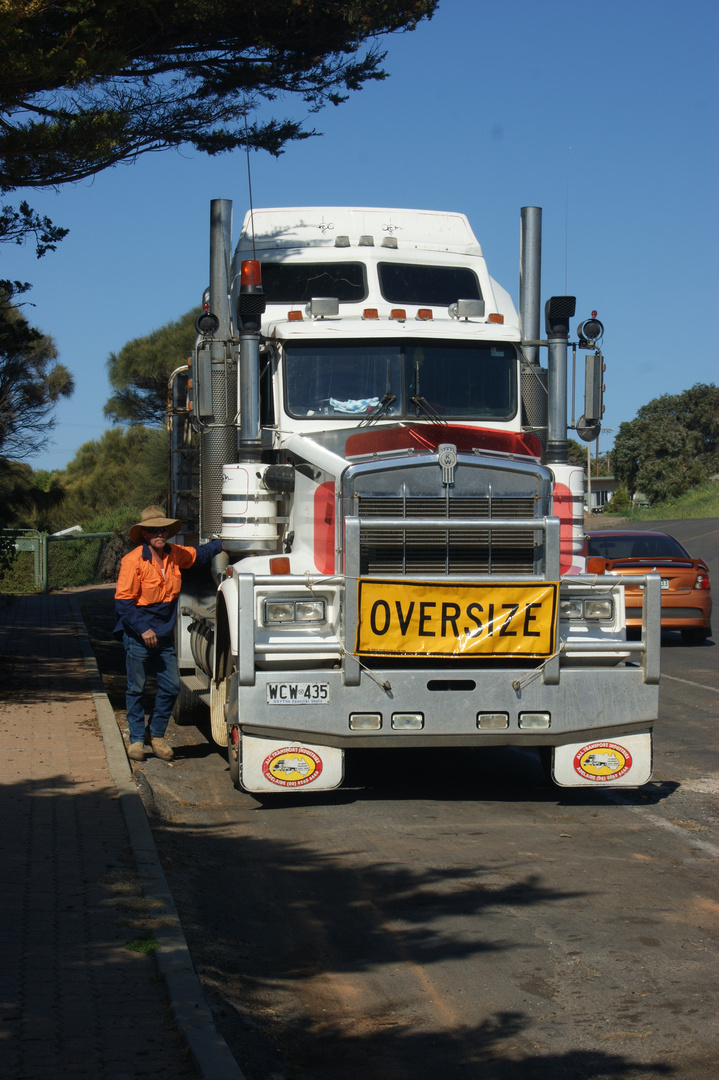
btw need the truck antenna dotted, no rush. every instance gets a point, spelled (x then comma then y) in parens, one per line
(566, 221)
(249, 184)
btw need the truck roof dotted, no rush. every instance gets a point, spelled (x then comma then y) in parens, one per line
(343, 226)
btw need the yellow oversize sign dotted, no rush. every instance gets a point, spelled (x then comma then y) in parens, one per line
(414, 618)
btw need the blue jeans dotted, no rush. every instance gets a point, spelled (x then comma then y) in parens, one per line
(141, 662)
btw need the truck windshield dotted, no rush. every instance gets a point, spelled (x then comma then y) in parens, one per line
(427, 379)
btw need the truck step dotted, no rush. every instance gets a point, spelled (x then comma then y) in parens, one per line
(196, 685)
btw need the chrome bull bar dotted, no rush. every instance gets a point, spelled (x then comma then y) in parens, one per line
(647, 649)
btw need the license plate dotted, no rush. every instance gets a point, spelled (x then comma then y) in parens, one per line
(298, 693)
(665, 583)
(413, 618)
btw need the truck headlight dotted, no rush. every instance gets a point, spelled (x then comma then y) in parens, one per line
(309, 611)
(294, 611)
(586, 609)
(570, 609)
(598, 609)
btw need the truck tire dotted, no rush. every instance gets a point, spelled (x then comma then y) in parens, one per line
(188, 708)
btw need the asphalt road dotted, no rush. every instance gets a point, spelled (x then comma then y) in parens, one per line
(451, 913)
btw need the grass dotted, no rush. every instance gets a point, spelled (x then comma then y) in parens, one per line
(146, 945)
(700, 502)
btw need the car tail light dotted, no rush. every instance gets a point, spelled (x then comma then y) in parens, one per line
(702, 582)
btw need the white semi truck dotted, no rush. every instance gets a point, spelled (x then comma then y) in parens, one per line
(367, 424)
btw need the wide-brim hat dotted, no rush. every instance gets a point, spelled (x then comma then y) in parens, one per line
(152, 517)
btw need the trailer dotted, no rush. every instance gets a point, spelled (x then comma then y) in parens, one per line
(381, 441)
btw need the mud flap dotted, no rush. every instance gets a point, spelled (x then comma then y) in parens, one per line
(625, 761)
(277, 765)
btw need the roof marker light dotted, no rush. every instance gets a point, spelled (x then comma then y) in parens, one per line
(342, 241)
(424, 314)
(366, 241)
(398, 313)
(370, 313)
(495, 317)
(294, 316)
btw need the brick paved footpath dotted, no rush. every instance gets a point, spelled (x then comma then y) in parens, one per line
(74, 1001)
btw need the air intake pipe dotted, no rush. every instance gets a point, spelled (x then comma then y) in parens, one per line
(251, 304)
(530, 279)
(216, 374)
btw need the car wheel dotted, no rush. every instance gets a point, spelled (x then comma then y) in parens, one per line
(694, 637)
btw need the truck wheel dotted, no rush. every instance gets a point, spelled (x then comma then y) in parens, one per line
(188, 707)
(233, 757)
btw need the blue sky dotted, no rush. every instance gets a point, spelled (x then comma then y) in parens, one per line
(602, 114)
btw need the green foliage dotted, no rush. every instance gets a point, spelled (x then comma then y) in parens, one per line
(18, 579)
(620, 502)
(139, 372)
(116, 475)
(700, 502)
(16, 226)
(577, 453)
(25, 501)
(31, 382)
(74, 562)
(672, 445)
(85, 85)
(7, 554)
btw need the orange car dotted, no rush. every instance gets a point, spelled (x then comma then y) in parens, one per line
(686, 595)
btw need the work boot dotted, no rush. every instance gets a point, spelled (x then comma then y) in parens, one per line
(136, 751)
(162, 749)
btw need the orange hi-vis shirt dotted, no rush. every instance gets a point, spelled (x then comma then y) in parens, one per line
(146, 594)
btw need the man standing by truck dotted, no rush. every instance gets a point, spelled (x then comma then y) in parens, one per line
(148, 588)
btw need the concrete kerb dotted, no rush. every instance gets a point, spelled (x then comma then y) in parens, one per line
(192, 1015)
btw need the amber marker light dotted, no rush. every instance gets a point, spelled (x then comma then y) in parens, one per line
(495, 318)
(280, 565)
(294, 316)
(596, 564)
(424, 314)
(398, 313)
(370, 313)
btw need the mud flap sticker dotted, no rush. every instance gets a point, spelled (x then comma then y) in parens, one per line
(625, 761)
(278, 765)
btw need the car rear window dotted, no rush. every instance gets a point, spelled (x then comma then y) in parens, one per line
(635, 547)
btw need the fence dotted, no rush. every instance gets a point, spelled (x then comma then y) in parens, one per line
(43, 562)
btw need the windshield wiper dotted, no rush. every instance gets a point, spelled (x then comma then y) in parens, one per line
(425, 409)
(379, 410)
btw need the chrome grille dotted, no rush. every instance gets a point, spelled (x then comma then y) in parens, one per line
(477, 551)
